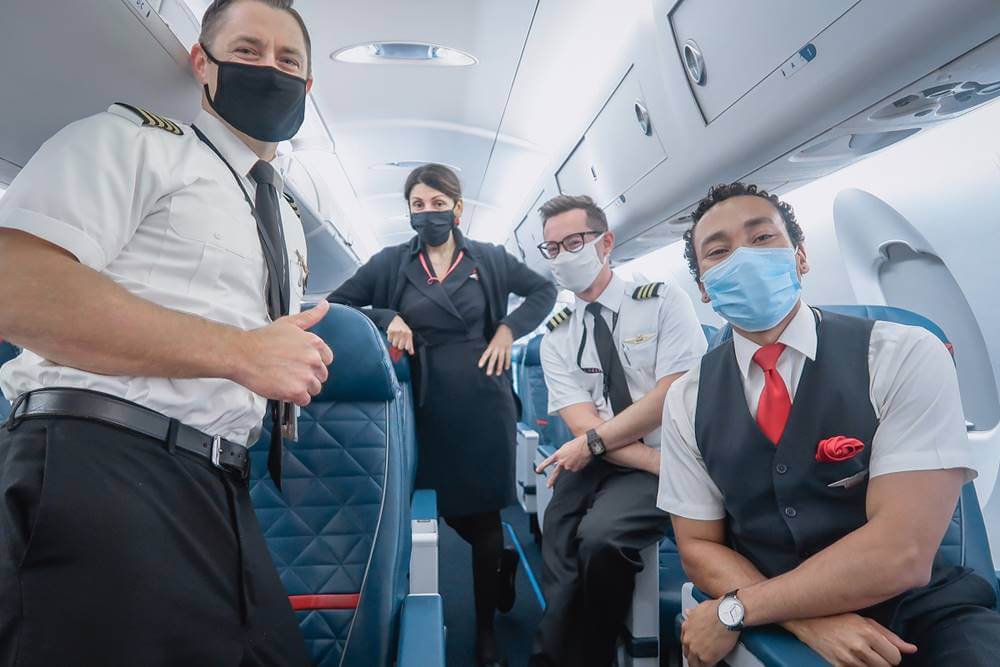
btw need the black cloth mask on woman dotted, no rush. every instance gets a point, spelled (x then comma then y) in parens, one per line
(433, 227)
(262, 102)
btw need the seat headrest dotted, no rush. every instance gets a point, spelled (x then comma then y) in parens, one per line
(533, 351)
(517, 352)
(880, 313)
(709, 331)
(361, 369)
(890, 314)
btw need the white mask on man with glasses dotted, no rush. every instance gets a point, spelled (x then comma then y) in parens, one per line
(577, 271)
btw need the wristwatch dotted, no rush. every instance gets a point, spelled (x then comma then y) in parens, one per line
(595, 444)
(731, 612)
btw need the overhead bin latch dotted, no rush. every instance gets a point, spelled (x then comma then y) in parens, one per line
(642, 117)
(694, 62)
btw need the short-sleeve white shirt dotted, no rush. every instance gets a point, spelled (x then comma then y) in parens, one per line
(913, 388)
(655, 337)
(162, 216)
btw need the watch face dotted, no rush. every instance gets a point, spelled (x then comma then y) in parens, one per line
(731, 612)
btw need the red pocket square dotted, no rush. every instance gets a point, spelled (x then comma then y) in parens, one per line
(838, 448)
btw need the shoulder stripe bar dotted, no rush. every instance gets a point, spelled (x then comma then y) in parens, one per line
(650, 291)
(558, 319)
(150, 119)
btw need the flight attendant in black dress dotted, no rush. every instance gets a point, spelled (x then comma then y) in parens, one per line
(443, 299)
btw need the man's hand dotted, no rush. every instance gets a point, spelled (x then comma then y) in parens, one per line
(573, 456)
(283, 361)
(849, 640)
(704, 639)
(400, 335)
(498, 353)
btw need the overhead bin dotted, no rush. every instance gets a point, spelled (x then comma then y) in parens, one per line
(723, 65)
(619, 148)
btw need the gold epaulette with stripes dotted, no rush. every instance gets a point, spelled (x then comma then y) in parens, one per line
(560, 318)
(649, 291)
(150, 119)
(292, 203)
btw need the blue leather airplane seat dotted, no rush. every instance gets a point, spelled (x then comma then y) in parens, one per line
(552, 430)
(7, 352)
(965, 542)
(340, 524)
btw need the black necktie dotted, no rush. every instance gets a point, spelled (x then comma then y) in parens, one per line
(272, 238)
(615, 383)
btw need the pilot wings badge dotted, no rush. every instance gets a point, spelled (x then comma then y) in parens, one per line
(303, 270)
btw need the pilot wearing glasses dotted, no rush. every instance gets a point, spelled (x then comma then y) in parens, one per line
(608, 363)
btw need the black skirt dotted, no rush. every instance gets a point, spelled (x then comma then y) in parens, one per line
(466, 428)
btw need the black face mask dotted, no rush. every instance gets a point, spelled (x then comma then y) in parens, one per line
(433, 227)
(262, 102)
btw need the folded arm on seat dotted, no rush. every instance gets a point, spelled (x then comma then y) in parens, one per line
(582, 417)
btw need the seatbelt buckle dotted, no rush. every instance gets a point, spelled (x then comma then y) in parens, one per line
(217, 452)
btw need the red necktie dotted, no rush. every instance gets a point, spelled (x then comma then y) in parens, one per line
(774, 404)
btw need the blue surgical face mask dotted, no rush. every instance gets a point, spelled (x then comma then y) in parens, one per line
(755, 288)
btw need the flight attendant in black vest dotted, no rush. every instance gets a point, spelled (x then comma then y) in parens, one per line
(812, 464)
(443, 298)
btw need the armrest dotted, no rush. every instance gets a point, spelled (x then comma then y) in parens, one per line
(424, 533)
(767, 645)
(421, 632)
(424, 506)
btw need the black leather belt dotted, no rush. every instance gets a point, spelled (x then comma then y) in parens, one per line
(106, 409)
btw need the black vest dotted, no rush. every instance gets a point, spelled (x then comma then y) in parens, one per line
(780, 509)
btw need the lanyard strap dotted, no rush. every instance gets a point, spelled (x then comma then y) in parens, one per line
(431, 278)
(270, 254)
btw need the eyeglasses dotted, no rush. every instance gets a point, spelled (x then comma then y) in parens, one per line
(572, 243)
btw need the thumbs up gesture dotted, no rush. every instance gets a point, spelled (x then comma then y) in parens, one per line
(284, 361)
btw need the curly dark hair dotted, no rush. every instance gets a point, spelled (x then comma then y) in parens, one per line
(721, 193)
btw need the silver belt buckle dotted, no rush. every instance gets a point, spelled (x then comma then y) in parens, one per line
(217, 452)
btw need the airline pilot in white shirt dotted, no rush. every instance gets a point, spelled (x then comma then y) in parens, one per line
(613, 355)
(812, 464)
(153, 273)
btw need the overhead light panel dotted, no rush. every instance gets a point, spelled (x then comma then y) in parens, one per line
(408, 165)
(403, 53)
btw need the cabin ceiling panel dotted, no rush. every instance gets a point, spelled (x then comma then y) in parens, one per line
(380, 114)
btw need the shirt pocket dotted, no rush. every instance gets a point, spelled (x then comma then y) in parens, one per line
(212, 252)
(222, 229)
(639, 350)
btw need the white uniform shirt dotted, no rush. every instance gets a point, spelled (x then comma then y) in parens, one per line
(163, 217)
(913, 388)
(656, 337)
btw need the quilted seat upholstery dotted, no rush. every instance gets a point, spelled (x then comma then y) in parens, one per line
(340, 527)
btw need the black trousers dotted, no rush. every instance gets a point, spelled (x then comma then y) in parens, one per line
(597, 522)
(116, 550)
(952, 621)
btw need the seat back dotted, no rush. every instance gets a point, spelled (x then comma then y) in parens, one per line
(339, 527)
(401, 365)
(552, 430)
(965, 542)
(7, 352)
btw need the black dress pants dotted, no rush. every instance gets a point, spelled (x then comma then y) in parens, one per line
(596, 525)
(952, 621)
(118, 551)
